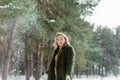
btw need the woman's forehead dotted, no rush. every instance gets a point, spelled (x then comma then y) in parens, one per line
(60, 36)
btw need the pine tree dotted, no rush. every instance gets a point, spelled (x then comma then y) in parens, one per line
(105, 56)
(68, 16)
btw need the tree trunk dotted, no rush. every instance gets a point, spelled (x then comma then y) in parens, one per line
(37, 62)
(2, 53)
(7, 54)
(27, 65)
(41, 63)
(38, 59)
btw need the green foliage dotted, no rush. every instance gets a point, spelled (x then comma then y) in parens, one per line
(4, 2)
(87, 6)
(102, 48)
(117, 41)
(81, 62)
(48, 17)
(67, 15)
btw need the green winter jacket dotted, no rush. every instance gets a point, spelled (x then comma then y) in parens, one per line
(64, 65)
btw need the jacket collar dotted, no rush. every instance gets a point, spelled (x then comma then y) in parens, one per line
(65, 45)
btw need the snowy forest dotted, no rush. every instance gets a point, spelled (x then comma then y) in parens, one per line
(27, 29)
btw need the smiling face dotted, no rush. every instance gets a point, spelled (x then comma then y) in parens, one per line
(60, 40)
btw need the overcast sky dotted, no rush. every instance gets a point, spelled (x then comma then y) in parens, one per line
(107, 13)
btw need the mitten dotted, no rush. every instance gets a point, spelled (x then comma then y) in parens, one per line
(44, 77)
(68, 77)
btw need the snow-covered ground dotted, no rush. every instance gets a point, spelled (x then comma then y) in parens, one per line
(82, 78)
(99, 78)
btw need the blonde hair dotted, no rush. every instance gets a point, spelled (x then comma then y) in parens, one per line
(60, 34)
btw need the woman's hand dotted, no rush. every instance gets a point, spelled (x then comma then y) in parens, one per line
(68, 77)
(44, 77)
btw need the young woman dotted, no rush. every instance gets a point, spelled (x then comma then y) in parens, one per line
(62, 63)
